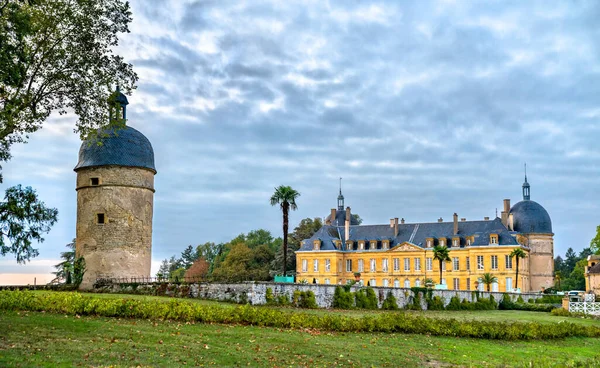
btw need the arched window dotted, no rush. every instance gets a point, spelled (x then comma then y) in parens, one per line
(407, 283)
(386, 282)
(418, 283)
(397, 283)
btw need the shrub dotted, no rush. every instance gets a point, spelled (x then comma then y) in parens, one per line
(392, 322)
(390, 302)
(283, 299)
(269, 297)
(507, 304)
(342, 298)
(549, 299)
(560, 312)
(305, 299)
(435, 304)
(520, 299)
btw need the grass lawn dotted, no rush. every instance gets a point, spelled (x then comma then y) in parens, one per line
(50, 340)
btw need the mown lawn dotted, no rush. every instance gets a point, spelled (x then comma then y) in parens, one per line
(50, 340)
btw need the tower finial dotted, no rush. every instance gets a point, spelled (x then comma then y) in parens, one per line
(526, 187)
(340, 198)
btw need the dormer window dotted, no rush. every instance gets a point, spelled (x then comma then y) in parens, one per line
(429, 242)
(455, 242)
(348, 244)
(317, 245)
(468, 241)
(373, 245)
(493, 238)
(386, 244)
(361, 245)
(442, 242)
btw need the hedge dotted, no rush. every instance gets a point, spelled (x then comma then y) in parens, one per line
(186, 311)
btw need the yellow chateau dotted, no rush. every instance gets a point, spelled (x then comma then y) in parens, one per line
(401, 254)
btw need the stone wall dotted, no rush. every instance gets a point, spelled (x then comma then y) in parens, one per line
(254, 292)
(121, 247)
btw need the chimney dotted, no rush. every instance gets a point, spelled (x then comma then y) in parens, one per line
(505, 212)
(391, 222)
(402, 220)
(440, 220)
(510, 222)
(332, 217)
(486, 219)
(347, 225)
(455, 223)
(395, 227)
(463, 219)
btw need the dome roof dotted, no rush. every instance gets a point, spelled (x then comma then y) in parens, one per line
(122, 147)
(530, 217)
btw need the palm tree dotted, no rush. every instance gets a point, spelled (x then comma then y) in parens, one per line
(442, 254)
(488, 279)
(558, 278)
(285, 196)
(517, 253)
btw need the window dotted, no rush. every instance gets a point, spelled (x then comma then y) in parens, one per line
(480, 262)
(316, 265)
(407, 283)
(456, 283)
(455, 241)
(384, 265)
(326, 281)
(100, 218)
(493, 239)
(509, 285)
(418, 283)
(468, 264)
(95, 181)
(373, 282)
(480, 284)
(327, 265)
(316, 281)
(417, 264)
(373, 265)
(508, 262)
(385, 244)
(468, 241)
(397, 283)
(305, 265)
(406, 264)
(361, 265)
(361, 245)
(495, 287)
(443, 281)
(429, 241)
(428, 264)
(348, 265)
(386, 282)
(442, 242)
(455, 264)
(494, 262)
(316, 244)
(396, 264)
(468, 283)
(339, 268)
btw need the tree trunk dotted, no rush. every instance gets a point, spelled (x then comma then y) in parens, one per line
(440, 272)
(517, 276)
(286, 209)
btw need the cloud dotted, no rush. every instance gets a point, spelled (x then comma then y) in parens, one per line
(425, 108)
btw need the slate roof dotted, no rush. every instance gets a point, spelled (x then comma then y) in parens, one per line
(595, 268)
(124, 147)
(340, 218)
(413, 233)
(530, 217)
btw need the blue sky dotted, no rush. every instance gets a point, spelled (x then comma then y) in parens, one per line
(424, 108)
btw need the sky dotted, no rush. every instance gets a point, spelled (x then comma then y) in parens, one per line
(424, 108)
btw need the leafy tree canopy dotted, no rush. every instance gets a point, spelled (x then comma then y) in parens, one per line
(23, 220)
(58, 55)
(595, 243)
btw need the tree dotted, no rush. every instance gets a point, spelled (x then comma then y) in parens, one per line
(198, 269)
(58, 55)
(305, 229)
(442, 254)
(23, 219)
(209, 251)
(488, 279)
(557, 279)
(169, 268)
(570, 260)
(518, 253)
(188, 256)
(286, 197)
(357, 218)
(64, 269)
(595, 243)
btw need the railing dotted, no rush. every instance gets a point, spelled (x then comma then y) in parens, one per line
(585, 307)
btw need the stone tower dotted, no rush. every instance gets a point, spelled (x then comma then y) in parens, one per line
(532, 221)
(115, 194)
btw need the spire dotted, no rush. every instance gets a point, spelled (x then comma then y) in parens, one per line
(340, 198)
(526, 187)
(120, 112)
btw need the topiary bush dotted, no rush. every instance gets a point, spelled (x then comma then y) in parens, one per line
(343, 298)
(390, 302)
(436, 303)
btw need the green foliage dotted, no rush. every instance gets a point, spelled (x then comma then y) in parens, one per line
(507, 304)
(595, 243)
(488, 279)
(343, 298)
(304, 299)
(390, 302)
(365, 299)
(23, 220)
(305, 229)
(269, 297)
(281, 299)
(243, 263)
(57, 56)
(185, 311)
(454, 304)
(520, 299)
(64, 270)
(442, 254)
(436, 303)
(549, 299)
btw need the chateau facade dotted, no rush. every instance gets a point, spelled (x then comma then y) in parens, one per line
(401, 254)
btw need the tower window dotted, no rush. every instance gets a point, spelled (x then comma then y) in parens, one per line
(95, 181)
(100, 218)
